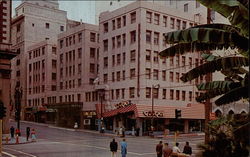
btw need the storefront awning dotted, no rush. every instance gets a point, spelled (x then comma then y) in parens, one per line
(190, 111)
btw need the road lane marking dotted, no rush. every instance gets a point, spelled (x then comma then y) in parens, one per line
(90, 146)
(30, 155)
(9, 154)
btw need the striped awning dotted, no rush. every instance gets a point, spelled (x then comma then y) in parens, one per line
(190, 111)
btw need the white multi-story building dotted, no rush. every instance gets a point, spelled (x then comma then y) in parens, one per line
(131, 70)
(42, 75)
(78, 50)
(35, 21)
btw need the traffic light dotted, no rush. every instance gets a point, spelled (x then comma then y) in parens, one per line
(2, 111)
(177, 113)
(17, 116)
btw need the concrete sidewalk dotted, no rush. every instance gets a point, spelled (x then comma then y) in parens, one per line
(113, 134)
(12, 141)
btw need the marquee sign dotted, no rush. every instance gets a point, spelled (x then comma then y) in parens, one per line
(154, 114)
(123, 104)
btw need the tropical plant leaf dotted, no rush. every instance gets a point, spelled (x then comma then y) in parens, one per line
(235, 10)
(210, 94)
(209, 57)
(221, 85)
(216, 65)
(233, 95)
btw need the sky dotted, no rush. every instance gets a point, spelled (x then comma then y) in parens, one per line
(76, 10)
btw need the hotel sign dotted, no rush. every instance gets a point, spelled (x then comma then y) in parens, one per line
(154, 114)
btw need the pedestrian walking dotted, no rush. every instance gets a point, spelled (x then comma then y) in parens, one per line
(124, 148)
(33, 135)
(176, 149)
(187, 149)
(12, 131)
(167, 151)
(113, 148)
(27, 133)
(159, 149)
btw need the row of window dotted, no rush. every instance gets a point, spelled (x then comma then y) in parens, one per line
(40, 51)
(72, 83)
(71, 40)
(36, 77)
(71, 70)
(119, 22)
(41, 89)
(37, 65)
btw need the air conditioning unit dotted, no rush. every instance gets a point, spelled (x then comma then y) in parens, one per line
(86, 122)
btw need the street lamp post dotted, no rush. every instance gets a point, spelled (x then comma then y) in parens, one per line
(101, 118)
(18, 97)
(152, 112)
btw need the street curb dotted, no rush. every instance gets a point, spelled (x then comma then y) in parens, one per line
(19, 143)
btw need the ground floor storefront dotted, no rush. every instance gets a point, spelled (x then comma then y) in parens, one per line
(139, 118)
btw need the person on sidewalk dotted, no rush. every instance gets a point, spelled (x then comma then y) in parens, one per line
(12, 132)
(167, 151)
(27, 133)
(159, 149)
(113, 148)
(176, 149)
(187, 149)
(33, 135)
(124, 148)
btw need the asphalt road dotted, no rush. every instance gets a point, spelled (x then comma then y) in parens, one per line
(54, 142)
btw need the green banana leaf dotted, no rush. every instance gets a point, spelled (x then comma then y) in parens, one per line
(216, 65)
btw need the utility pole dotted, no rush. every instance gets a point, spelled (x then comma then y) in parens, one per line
(18, 97)
(208, 105)
(152, 112)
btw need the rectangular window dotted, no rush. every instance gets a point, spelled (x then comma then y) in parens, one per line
(172, 23)
(177, 60)
(118, 39)
(92, 52)
(105, 62)
(196, 62)
(79, 82)
(92, 68)
(113, 42)
(62, 28)
(178, 24)
(80, 52)
(105, 78)
(171, 77)
(113, 24)
(117, 93)
(80, 37)
(183, 61)
(190, 62)
(47, 25)
(149, 17)
(148, 55)
(118, 58)
(132, 73)
(119, 23)
(156, 57)
(131, 92)
(123, 75)
(156, 38)
(113, 60)
(123, 93)
(156, 93)
(124, 20)
(92, 37)
(156, 19)
(186, 7)
(177, 95)
(165, 20)
(79, 68)
(190, 95)
(177, 77)
(148, 73)
(132, 56)
(105, 45)
(123, 39)
(133, 37)
(148, 37)
(156, 74)
(53, 63)
(105, 27)
(133, 17)
(183, 95)
(53, 76)
(123, 58)
(118, 76)
(113, 77)
(148, 92)
(164, 93)
(164, 75)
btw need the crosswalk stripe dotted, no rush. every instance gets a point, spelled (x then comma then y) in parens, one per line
(9, 154)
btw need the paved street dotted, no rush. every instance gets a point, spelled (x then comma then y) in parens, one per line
(54, 142)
